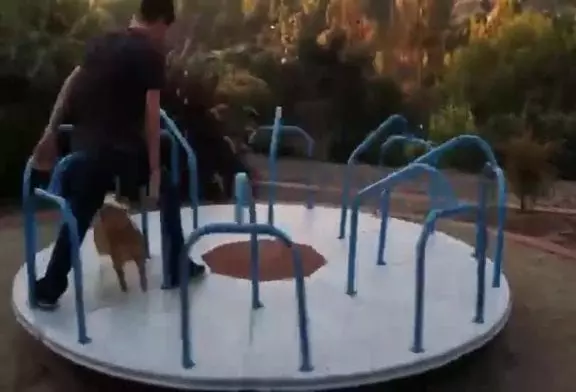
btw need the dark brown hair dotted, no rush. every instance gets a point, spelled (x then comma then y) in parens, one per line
(152, 11)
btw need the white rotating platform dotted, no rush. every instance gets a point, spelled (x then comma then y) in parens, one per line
(354, 340)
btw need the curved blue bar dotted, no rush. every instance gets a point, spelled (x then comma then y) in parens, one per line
(240, 196)
(309, 151)
(55, 186)
(28, 205)
(70, 221)
(401, 138)
(480, 250)
(501, 222)
(433, 216)
(192, 165)
(393, 122)
(459, 141)
(174, 156)
(243, 194)
(387, 184)
(433, 155)
(405, 174)
(221, 228)
(272, 167)
(384, 214)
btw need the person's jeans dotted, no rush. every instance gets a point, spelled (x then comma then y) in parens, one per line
(85, 185)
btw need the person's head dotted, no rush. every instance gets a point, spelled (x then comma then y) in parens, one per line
(156, 16)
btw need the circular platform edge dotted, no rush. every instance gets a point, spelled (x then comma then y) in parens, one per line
(323, 383)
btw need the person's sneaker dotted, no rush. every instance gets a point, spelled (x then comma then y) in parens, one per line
(46, 305)
(43, 301)
(196, 270)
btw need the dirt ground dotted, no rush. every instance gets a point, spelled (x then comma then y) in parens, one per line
(535, 352)
(551, 225)
(558, 228)
(326, 174)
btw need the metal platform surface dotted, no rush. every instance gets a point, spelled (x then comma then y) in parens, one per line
(354, 340)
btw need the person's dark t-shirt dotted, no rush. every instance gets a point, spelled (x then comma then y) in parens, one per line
(108, 102)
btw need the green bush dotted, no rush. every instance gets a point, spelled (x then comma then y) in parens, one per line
(528, 169)
(449, 122)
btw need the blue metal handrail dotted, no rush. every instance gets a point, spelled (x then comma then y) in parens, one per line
(266, 229)
(481, 245)
(277, 127)
(441, 195)
(191, 161)
(309, 151)
(433, 155)
(30, 231)
(244, 197)
(401, 138)
(387, 127)
(386, 185)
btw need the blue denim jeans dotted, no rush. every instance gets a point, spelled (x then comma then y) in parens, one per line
(85, 185)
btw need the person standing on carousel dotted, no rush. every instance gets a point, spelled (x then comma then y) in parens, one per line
(113, 100)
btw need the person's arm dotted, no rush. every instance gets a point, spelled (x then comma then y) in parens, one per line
(45, 152)
(58, 110)
(154, 79)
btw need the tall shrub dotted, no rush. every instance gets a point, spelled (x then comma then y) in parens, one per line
(528, 169)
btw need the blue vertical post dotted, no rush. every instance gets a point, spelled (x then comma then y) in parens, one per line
(384, 212)
(393, 122)
(350, 285)
(30, 246)
(77, 273)
(176, 139)
(70, 221)
(481, 244)
(345, 200)
(241, 190)
(185, 333)
(254, 250)
(29, 232)
(165, 249)
(239, 194)
(417, 345)
(501, 222)
(272, 163)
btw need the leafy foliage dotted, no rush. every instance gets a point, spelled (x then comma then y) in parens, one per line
(338, 67)
(450, 121)
(528, 168)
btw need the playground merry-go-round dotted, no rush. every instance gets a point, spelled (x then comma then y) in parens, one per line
(340, 298)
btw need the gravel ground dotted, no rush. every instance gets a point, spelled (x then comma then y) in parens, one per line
(535, 352)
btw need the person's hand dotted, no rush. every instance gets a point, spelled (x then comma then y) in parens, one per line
(154, 186)
(45, 153)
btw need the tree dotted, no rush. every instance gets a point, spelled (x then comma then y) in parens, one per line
(521, 61)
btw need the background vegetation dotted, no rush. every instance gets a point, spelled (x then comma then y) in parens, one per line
(504, 70)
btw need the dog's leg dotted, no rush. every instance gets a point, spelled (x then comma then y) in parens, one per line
(118, 267)
(141, 265)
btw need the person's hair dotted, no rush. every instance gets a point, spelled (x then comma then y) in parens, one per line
(152, 11)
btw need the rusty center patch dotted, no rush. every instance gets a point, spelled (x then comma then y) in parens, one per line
(275, 260)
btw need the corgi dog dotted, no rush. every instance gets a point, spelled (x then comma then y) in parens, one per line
(116, 235)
